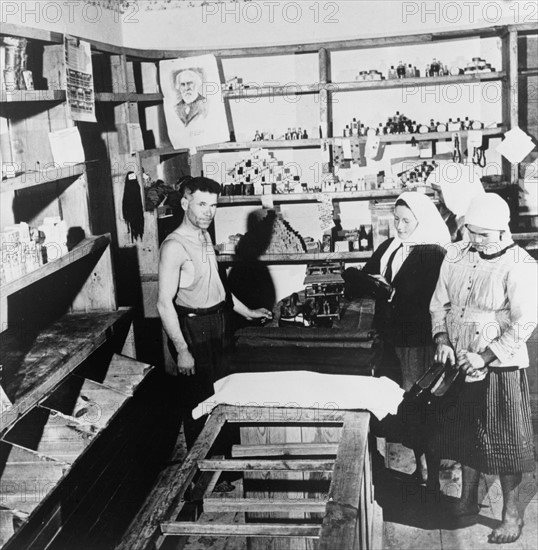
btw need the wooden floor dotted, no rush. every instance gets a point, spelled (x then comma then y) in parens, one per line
(410, 518)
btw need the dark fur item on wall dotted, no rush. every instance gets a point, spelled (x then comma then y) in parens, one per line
(132, 207)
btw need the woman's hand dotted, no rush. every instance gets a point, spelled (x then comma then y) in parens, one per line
(444, 351)
(472, 364)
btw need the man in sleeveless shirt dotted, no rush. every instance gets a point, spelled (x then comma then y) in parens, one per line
(192, 300)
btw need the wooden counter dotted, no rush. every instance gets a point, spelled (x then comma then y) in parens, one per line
(350, 346)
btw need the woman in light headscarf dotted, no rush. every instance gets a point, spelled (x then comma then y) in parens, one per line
(410, 263)
(456, 185)
(484, 308)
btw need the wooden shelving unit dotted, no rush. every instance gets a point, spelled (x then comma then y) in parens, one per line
(29, 179)
(356, 86)
(35, 363)
(301, 258)
(19, 96)
(123, 97)
(88, 246)
(313, 197)
(63, 317)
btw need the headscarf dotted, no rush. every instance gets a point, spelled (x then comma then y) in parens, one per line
(431, 229)
(488, 211)
(459, 183)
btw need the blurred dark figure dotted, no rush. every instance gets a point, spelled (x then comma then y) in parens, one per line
(249, 279)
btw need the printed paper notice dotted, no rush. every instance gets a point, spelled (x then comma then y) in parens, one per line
(79, 78)
(66, 146)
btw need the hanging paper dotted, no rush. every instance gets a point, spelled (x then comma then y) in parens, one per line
(79, 79)
(516, 145)
(193, 105)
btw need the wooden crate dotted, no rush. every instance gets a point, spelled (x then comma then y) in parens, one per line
(286, 456)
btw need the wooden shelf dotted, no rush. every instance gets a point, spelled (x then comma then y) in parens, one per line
(115, 97)
(29, 179)
(430, 136)
(301, 257)
(335, 87)
(85, 248)
(23, 96)
(313, 143)
(313, 197)
(267, 144)
(35, 363)
(274, 91)
(161, 152)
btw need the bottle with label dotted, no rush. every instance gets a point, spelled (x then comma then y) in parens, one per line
(354, 127)
(400, 70)
(347, 131)
(287, 135)
(257, 136)
(434, 67)
(466, 124)
(380, 131)
(369, 237)
(362, 130)
(299, 133)
(459, 123)
(433, 126)
(391, 73)
(363, 239)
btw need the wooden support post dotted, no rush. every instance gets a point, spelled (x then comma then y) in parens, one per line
(325, 99)
(510, 105)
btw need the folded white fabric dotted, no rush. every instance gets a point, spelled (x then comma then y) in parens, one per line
(305, 389)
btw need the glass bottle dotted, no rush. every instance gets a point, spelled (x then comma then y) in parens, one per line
(363, 239)
(400, 70)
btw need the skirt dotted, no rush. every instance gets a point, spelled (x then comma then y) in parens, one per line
(487, 425)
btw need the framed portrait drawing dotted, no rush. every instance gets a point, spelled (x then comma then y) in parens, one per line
(193, 104)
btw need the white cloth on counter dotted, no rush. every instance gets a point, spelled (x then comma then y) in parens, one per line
(305, 389)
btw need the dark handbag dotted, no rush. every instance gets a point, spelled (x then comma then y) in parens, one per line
(418, 408)
(434, 383)
(359, 284)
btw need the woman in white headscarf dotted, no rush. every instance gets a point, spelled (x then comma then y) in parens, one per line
(410, 263)
(456, 185)
(484, 308)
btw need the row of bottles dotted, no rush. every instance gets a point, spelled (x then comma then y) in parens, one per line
(400, 124)
(361, 239)
(291, 134)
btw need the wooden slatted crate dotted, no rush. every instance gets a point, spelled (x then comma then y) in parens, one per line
(306, 486)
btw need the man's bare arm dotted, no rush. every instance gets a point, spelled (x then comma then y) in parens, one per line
(172, 257)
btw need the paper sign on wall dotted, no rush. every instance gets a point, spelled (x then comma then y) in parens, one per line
(79, 78)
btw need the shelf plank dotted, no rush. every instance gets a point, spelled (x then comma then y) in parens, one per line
(84, 248)
(414, 82)
(19, 96)
(313, 197)
(268, 144)
(160, 152)
(276, 91)
(312, 143)
(335, 87)
(39, 177)
(302, 257)
(36, 362)
(116, 97)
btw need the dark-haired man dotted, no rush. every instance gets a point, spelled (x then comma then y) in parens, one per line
(192, 299)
